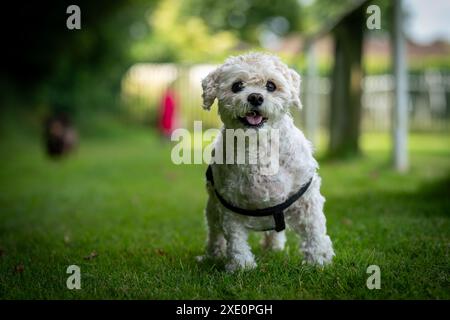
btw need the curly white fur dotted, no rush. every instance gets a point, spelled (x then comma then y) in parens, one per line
(244, 185)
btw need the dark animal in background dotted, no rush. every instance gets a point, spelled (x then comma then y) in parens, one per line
(60, 135)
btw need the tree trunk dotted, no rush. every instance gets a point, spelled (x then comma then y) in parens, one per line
(345, 112)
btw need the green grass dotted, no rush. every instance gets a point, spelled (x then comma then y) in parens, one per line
(121, 196)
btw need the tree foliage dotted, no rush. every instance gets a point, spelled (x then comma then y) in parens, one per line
(247, 18)
(64, 68)
(177, 36)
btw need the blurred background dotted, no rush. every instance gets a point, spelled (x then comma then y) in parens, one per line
(86, 116)
(128, 54)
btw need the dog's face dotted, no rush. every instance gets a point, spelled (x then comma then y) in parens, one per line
(253, 90)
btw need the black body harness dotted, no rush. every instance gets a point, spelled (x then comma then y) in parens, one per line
(276, 211)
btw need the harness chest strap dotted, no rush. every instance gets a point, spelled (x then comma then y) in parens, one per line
(276, 211)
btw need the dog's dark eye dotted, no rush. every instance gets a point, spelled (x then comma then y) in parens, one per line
(237, 86)
(270, 86)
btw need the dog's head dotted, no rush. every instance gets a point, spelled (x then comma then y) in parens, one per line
(253, 90)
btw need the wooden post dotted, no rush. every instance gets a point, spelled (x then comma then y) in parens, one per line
(311, 108)
(400, 112)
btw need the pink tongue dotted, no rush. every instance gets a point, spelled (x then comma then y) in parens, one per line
(254, 120)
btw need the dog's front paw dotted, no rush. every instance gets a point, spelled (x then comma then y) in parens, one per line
(240, 264)
(320, 259)
(318, 253)
(209, 256)
(213, 252)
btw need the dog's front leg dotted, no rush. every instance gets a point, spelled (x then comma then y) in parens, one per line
(216, 244)
(309, 222)
(239, 253)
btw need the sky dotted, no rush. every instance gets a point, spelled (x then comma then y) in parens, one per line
(429, 20)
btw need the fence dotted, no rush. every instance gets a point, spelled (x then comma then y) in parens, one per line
(429, 93)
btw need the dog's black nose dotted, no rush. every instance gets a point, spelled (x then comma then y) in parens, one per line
(255, 99)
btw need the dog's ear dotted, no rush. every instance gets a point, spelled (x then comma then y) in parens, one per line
(295, 88)
(210, 87)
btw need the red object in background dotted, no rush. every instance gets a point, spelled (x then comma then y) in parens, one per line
(168, 111)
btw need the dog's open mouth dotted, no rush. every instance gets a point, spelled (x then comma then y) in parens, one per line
(253, 119)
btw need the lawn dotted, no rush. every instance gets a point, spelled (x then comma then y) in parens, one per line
(133, 222)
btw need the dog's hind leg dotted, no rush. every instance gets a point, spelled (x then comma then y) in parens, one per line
(273, 240)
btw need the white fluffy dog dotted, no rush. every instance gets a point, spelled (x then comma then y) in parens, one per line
(255, 91)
